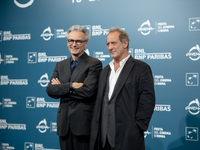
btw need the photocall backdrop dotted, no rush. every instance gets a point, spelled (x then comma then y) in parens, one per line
(164, 34)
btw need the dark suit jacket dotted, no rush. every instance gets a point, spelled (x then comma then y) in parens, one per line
(76, 106)
(135, 101)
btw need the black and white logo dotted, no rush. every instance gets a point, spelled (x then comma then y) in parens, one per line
(194, 24)
(46, 35)
(23, 5)
(44, 80)
(194, 53)
(191, 133)
(42, 126)
(192, 79)
(145, 28)
(193, 107)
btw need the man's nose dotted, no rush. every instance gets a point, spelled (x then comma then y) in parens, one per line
(74, 43)
(110, 47)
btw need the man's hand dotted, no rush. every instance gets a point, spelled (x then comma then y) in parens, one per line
(55, 81)
(76, 85)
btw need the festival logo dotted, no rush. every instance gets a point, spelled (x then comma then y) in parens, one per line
(30, 102)
(192, 79)
(100, 55)
(191, 133)
(8, 59)
(28, 146)
(160, 80)
(42, 126)
(145, 28)
(194, 24)
(23, 5)
(44, 80)
(32, 57)
(7, 103)
(194, 53)
(160, 27)
(46, 35)
(6, 146)
(159, 132)
(193, 107)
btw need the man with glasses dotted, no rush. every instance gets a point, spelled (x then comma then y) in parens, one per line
(75, 82)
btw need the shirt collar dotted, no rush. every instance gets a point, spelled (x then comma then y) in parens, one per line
(122, 62)
(77, 58)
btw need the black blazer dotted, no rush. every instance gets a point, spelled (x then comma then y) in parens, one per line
(76, 106)
(135, 101)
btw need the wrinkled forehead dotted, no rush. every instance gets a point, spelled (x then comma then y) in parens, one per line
(76, 35)
(113, 36)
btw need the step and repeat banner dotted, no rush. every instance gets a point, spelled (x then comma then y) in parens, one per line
(164, 34)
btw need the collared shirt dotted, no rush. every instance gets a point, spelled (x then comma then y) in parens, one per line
(114, 75)
(74, 62)
(72, 68)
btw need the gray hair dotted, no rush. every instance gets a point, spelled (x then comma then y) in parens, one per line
(123, 35)
(80, 29)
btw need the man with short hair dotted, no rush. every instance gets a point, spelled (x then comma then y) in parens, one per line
(75, 82)
(125, 99)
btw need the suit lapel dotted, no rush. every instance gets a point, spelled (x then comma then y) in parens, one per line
(103, 81)
(123, 76)
(82, 62)
(67, 70)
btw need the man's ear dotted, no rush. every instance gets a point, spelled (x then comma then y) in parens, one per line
(86, 42)
(125, 44)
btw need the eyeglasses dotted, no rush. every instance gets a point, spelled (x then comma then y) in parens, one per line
(78, 42)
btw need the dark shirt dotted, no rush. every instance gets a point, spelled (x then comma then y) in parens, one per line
(73, 66)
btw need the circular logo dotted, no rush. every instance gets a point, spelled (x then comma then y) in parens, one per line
(47, 34)
(23, 5)
(44, 80)
(42, 126)
(193, 107)
(194, 53)
(146, 28)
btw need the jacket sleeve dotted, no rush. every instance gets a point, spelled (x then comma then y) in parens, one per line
(146, 102)
(57, 91)
(90, 83)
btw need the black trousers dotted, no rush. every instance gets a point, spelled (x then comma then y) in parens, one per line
(72, 142)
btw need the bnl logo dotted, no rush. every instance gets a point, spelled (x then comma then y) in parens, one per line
(192, 79)
(30, 102)
(32, 57)
(191, 133)
(88, 27)
(194, 24)
(28, 146)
